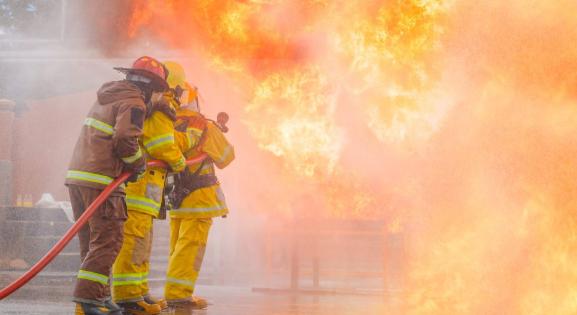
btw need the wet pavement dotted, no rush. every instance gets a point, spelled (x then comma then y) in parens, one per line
(232, 301)
(49, 293)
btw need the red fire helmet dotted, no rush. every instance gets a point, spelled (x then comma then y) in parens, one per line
(149, 68)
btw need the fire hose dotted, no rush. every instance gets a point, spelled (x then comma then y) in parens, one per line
(59, 246)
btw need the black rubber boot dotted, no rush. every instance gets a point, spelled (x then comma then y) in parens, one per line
(113, 308)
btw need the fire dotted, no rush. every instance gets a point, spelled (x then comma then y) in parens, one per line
(350, 197)
(467, 107)
(384, 51)
(293, 117)
(391, 57)
(296, 89)
(141, 15)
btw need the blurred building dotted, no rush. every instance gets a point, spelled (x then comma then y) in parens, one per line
(51, 65)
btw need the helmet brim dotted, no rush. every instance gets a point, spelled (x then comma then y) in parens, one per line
(158, 83)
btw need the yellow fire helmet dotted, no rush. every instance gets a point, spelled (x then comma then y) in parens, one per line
(176, 80)
(176, 76)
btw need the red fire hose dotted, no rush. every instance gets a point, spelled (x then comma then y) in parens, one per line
(54, 251)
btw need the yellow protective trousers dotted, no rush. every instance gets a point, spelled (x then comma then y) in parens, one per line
(130, 270)
(188, 238)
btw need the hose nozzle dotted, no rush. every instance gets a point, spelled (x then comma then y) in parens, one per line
(221, 120)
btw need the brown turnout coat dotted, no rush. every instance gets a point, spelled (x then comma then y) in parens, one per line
(108, 142)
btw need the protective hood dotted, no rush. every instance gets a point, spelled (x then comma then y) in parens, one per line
(117, 90)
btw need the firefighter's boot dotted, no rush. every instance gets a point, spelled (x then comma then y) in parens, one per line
(90, 309)
(195, 303)
(140, 308)
(152, 300)
(113, 308)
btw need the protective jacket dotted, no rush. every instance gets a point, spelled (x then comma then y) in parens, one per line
(158, 140)
(203, 136)
(108, 142)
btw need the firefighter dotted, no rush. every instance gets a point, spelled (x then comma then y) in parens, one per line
(196, 200)
(144, 199)
(107, 146)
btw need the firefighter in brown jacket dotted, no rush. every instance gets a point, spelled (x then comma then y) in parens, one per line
(107, 146)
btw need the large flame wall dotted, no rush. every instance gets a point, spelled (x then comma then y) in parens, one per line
(455, 120)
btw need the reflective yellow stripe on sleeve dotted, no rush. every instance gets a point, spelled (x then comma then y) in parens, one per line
(151, 144)
(133, 158)
(92, 276)
(178, 164)
(99, 125)
(225, 153)
(89, 177)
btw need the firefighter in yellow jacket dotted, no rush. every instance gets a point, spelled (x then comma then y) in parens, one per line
(200, 200)
(143, 201)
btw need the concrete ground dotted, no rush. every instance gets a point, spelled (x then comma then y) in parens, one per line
(231, 301)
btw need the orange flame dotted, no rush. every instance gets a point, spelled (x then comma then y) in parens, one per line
(490, 178)
(271, 47)
(293, 117)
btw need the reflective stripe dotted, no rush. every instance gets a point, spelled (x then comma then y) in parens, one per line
(133, 158)
(89, 177)
(178, 164)
(130, 275)
(190, 141)
(137, 78)
(225, 154)
(167, 138)
(195, 131)
(197, 210)
(142, 203)
(99, 125)
(128, 281)
(183, 282)
(205, 167)
(193, 135)
(92, 276)
(129, 278)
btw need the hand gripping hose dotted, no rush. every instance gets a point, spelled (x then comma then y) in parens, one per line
(57, 248)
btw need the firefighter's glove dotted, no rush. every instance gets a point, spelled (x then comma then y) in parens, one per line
(136, 174)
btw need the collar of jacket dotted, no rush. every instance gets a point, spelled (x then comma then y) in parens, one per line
(165, 107)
